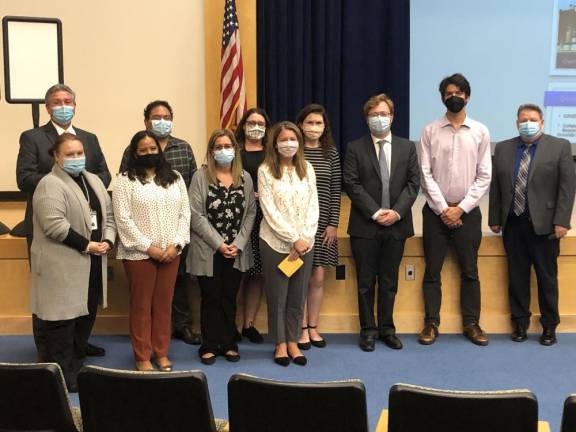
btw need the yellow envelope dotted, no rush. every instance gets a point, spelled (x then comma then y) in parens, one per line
(290, 267)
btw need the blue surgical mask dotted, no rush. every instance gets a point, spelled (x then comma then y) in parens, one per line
(74, 166)
(162, 128)
(529, 129)
(379, 124)
(63, 114)
(224, 157)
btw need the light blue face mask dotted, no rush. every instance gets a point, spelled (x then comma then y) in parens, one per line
(162, 128)
(63, 114)
(529, 129)
(224, 157)
(74, 166)
(379, 124)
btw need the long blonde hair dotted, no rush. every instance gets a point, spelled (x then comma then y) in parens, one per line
(211, 163)
(272, 159)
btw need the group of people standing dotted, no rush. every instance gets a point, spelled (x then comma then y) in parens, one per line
(269, 195)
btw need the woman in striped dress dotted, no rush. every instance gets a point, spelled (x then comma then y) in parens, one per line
(320, 151)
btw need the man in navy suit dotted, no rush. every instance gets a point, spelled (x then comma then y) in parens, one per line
(531, 199)
(382, 179)
(34, 161)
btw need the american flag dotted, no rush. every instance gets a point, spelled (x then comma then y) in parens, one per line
(232, 89)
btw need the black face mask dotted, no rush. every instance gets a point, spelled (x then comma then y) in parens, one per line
(455, 104)
(148, 161)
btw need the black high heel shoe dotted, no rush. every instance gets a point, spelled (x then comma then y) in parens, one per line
(299, 360)
(321, 343)
(282, 361)
(305, 345)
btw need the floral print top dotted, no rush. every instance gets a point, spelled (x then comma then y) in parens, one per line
(225, 208)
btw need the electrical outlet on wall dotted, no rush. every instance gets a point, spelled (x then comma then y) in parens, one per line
(409, 272)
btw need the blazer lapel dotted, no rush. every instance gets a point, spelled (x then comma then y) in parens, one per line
(371, 154)
(82, 203)
(539, 155)
(50, 132)
(395, 148)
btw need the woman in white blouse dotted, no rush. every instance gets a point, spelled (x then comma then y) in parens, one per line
(153, 217)
(289, 201)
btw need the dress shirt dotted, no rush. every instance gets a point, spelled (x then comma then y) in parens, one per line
(290, 207)
(60, 130)
(388, 152)
(149, 214)
(456, 164)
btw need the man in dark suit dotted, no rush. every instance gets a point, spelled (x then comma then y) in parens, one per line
(531, 199)
(34, 160)
(382, 178)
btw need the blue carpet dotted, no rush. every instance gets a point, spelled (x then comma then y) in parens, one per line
(451, 363)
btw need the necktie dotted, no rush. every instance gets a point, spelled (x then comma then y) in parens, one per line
(521, 182)
(385, 174)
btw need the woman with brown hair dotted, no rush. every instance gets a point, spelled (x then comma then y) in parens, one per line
(289, 201)
(320, 151)
(223, 211)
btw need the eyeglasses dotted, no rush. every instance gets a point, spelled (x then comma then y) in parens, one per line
(256, 123)
(223, 147)
(379, 114)
(160, 117)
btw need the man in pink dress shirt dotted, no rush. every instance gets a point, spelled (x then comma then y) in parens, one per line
(455, 160)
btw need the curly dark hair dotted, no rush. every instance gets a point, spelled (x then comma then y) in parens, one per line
(154, 104)
(165, 176)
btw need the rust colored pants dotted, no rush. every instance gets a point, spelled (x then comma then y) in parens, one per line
(151, 291)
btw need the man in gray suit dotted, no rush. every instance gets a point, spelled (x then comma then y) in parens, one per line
(531, 199)
(382, 179)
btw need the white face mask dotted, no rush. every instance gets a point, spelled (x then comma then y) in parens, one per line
(313, 132)
(288, 148)
(255, 132)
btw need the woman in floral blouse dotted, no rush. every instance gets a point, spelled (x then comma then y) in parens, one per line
(223, 211)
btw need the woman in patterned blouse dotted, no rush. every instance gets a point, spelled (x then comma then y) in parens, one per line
(223, 212)
(289, 201)
(153, 220)
(320, 152)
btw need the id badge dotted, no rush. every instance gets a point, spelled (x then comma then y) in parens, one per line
(93, 220)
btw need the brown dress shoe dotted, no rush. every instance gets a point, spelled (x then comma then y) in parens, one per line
(474, 334)
(428, 334)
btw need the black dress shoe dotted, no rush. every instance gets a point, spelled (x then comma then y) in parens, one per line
(282, 361)
(232, 357)
(95, 351)
(391, 341)
(548, 337)
(305, 346)
(367, 343)
(208, 360)
(253, 335)
(319, 343)
(519, 333)
(299, 360)
(186, 335)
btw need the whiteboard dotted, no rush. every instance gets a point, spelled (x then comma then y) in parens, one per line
(32, 57)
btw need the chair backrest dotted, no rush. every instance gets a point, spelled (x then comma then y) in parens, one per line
(33, 397)
(118, 400)
(258, 405)
(569, 414)
(415, 409)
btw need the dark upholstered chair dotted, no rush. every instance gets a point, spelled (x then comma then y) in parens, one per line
(416, 409)
(118, 401)
(258, 405)
(33, 397)
(569, 414)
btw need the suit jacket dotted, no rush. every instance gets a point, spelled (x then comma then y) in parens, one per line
(60, 274)
(550, 189)
(34, 161)
(363, 183)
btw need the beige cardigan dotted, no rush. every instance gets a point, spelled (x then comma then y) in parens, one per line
(60, 274)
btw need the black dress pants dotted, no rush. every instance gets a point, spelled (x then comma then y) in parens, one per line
(525, 249)
(377, 259)
(181, 312)
(64, 341)
(218, 306)
(466, 241)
